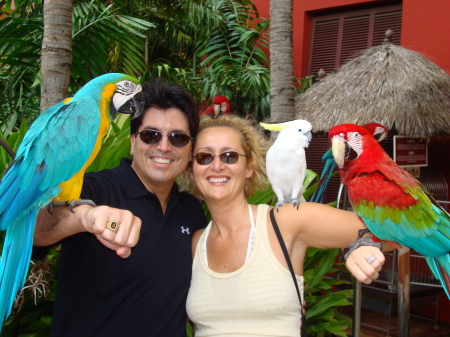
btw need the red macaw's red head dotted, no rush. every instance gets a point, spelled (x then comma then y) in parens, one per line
(221, 105)
(379, 131)
(351, 143)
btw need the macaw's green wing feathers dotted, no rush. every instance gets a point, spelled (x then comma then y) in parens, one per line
(421, 226)
(400, 214)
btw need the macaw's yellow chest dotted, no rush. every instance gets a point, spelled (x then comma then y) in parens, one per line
(71, 189)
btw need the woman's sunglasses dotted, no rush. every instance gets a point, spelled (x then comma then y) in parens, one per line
(229, 157)
(153, 137)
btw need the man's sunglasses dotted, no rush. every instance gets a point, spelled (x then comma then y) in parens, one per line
(153, 137)
(229, 157)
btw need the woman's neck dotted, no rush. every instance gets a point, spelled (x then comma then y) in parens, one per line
(229, 217)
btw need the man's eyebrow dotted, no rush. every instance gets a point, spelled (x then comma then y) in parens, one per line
(170, 131)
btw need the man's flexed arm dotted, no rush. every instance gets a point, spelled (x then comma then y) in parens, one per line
(60, 223)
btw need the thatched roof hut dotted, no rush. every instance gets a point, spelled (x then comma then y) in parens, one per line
(388, 84)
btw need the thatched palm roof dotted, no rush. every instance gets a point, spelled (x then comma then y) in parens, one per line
(387, 84)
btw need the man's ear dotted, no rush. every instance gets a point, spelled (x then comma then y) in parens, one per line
(132, 141)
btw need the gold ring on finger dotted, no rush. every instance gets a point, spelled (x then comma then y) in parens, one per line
(112, 225)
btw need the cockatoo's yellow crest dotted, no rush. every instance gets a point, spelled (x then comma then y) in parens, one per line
(275, 127)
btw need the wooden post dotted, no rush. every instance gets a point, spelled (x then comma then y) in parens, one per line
(357, 309)
(403, 292)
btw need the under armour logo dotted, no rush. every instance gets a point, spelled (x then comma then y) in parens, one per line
(185, 230)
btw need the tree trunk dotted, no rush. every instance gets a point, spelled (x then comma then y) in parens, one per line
(282, 107)
(56, 57)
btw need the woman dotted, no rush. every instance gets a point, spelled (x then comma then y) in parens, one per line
(240, 283)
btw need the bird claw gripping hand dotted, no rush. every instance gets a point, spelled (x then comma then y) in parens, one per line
(71, 205)
(362, 241)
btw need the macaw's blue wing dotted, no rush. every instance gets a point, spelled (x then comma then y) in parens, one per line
(57, 146)
(327, 172)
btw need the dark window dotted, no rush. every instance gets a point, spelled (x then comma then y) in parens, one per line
(336, 38)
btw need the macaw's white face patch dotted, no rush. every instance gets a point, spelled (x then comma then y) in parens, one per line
(355, 140)
(125, 90)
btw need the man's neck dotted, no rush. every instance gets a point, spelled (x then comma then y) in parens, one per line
(160, 189)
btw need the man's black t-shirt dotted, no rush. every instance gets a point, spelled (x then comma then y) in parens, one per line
(102, 294)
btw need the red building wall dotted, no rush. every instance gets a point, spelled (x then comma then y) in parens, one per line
(425, 29)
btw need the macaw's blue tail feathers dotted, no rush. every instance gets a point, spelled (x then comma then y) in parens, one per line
(15, 261)
(327, 172)
(440, 266)
(17, 199)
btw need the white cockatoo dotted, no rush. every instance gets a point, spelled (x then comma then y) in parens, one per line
(286, 161)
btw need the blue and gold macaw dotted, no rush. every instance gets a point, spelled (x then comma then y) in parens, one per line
(50, 164)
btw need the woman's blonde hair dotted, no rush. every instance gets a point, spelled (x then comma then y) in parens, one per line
(255, 147)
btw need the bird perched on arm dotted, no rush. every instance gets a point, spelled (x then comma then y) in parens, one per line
(221, 106)
(49, 167)
(286, 161)
(377, 130)
(393, 204)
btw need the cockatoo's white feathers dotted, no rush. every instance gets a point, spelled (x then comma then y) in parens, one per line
(286, 162)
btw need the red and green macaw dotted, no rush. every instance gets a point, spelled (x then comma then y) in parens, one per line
(393, 204)
(377, 130)
(221, 106)
(49, 167)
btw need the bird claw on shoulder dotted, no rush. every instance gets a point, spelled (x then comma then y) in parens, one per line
(295, 202)
(75, 203)
(279, 204)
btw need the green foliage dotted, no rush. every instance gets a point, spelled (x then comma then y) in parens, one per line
(212, 47)
(103, 40)
(233, 62)
(116, 145)
(13, 140)
(321, 296)
(304, 83)
(20, 46)
(106, 40)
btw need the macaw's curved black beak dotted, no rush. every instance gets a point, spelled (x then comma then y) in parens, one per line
(134, 106)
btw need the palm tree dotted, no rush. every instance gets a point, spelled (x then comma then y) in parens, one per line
(56, 54)
(281, 62)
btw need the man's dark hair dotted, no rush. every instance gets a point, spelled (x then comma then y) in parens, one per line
(161, 95)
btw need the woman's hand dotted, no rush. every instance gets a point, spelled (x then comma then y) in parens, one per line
(365, 263)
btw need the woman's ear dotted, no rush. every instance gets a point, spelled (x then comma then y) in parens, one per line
(249, 172)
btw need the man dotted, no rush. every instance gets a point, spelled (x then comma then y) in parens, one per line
(125, 267)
